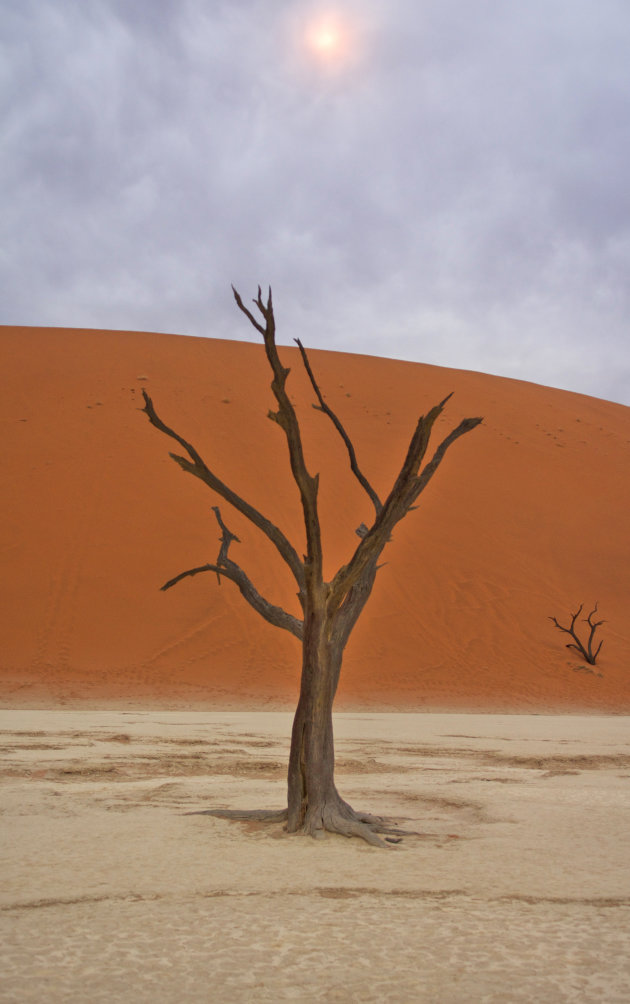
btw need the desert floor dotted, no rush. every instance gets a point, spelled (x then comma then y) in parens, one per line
(517, 887)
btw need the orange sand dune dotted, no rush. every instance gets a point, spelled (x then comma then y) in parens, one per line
(527, 517)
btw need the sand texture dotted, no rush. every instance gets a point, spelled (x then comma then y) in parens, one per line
(526, 518)
(516, 889)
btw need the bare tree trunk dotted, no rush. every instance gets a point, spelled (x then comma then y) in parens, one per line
(314, 804)
(312, 791)
(311, 786)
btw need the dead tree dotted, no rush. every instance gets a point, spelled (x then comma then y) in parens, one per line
(330, 610)
(586, 651)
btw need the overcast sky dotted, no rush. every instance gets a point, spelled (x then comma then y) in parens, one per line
(446, 181)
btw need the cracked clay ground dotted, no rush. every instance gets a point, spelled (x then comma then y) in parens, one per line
(517, 887)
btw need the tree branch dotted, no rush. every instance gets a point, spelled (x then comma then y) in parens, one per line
(225, 566)
(354, 601)
(190, 572)
(406, 489)
(593, 626)
(226, 535)
(286, 418)
(199, 469)
(363, 481)
(429, 470)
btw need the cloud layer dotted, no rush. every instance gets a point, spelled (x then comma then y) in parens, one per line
(450, 186)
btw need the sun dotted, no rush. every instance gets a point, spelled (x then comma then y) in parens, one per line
(329, 43)
(326, 39)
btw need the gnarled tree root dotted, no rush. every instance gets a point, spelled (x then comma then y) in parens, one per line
(335, 817)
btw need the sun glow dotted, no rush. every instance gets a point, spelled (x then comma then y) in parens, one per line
(328, 39)
(325, 38)
(332, 44)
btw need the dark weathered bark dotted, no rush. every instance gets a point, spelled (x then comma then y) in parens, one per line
(330, 610)
(225, 566)
(199, 469)
(311, 784)
(314, 804)
(322, 406)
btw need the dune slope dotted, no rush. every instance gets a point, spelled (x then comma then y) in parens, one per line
(526, 518)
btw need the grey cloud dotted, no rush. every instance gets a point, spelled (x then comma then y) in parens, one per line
(455, 193)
